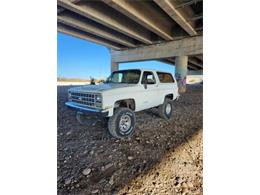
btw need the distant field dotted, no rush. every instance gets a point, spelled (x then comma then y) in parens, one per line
(65, 83)
(62, 81)
(193, 79)
(71, 81)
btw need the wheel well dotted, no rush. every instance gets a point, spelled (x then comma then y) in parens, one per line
(127, 103)
(169, 96)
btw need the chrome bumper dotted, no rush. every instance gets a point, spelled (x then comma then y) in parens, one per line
(86, 109)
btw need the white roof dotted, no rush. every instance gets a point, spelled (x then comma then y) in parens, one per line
(145, 69)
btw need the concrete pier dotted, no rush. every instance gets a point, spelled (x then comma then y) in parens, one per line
(114, 66)
(181, 64)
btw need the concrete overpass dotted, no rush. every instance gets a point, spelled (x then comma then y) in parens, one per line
(170, 31)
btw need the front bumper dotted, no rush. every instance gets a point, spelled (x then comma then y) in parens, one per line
(87, 110)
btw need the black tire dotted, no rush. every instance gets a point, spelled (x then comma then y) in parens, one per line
(117, 126)
(162, 109)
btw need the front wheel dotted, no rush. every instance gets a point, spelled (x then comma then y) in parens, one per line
(166, 109)
(122, 123)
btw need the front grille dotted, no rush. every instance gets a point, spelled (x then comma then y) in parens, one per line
(88, 99)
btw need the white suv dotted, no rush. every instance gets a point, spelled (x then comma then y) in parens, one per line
(126, 92)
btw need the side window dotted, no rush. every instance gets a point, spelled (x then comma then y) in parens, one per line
(165, 77)
(148, 78)
(117, 77)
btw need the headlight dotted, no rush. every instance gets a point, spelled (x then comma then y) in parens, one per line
(98, 98)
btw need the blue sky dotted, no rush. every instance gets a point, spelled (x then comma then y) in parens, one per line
(78, 58)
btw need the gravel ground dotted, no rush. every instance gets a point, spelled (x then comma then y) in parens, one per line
(178, 173)
(90, 161)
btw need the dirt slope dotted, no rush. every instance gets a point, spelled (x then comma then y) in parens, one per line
(179, 172)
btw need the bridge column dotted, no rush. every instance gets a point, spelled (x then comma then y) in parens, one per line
(181, 68)
(114, 66)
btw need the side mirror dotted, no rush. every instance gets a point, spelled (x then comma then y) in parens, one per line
(145, 85)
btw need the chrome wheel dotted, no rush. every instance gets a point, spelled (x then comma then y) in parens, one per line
(168, 109)
(124, 123)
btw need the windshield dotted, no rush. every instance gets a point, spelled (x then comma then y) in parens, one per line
(125, 76)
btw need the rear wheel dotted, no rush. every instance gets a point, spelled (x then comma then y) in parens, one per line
(122, 123)
(166, 109)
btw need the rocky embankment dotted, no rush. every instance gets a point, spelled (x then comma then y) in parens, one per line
(178, 173)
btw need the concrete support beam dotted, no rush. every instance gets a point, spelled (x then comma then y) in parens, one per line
(181, 5)
(169, 6)
(94, 10)
(192, 66)
(60, 9)
(88, 37)
(200, 57)
(166, 61)
(95, 29)
(196, 17)
(186, 46)
(144, 13)
(170, 62)
(114, 66)
(181, 69)
(195, 62)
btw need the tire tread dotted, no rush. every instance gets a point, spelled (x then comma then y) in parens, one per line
(161, 109)
(112, 122)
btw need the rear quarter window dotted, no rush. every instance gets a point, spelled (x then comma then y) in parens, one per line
(165, 77)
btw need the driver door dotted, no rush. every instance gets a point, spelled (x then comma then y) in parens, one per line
(150, 91)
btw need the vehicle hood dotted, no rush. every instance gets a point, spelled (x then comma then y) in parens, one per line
(101, 87)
